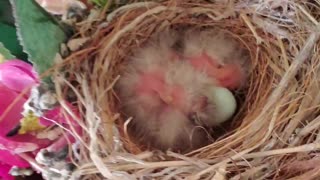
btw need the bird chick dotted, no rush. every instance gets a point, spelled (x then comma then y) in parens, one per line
(217, 54)
(162, 108)
(171, 102)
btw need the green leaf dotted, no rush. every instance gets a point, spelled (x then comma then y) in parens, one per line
(5, 12)
(9, 39)
(38, 33)
(5, 52)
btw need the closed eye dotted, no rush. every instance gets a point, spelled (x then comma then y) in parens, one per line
(219, 66)
(194, 118)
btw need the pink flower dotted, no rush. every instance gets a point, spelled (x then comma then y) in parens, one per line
(59, 7)
(16, 79)
(17, 75)
(56, 116)
(4, 172)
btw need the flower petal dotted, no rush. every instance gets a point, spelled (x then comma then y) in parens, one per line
(56, 115)
(4, 172)
(58, 7)
(54, 7)
(17, 75)
(27, 138)
(18, 143)
(12, 159)
(17, 147)
(28, 68)
(12, 118)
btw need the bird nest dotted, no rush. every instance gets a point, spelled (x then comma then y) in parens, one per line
(274, 134)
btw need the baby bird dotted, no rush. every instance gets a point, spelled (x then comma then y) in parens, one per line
(171, 102)
(218, 55)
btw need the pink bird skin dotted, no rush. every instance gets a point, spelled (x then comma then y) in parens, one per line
(168, 90)
(217, 54)
(162, 95)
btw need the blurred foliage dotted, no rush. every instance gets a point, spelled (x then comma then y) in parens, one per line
(5, 12)
(5, 52)
(39, 34)
(100, 3)
(8, 35)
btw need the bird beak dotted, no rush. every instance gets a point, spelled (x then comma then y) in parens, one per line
(166, 98)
